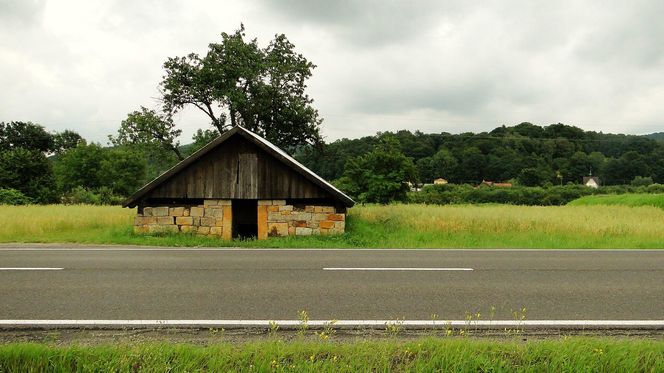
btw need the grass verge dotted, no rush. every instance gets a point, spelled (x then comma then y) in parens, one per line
(459, 355)
(392, 226)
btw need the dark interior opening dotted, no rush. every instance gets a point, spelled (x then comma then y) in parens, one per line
(245, 218)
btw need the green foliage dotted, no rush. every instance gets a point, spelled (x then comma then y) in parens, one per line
(29, 172)
(641, 181)
(238, 83)
(100, 196)
(149, 130)
(556, 154)
(10, 196)
(380, 176)
(25, 135)
(121, 170)
(66, 140)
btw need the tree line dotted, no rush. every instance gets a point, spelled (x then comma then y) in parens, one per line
(524, 154)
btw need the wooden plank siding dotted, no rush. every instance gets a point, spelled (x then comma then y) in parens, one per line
(237, 169)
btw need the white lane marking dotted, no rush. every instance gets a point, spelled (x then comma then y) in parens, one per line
(344, 323)
(395, 269)
(30, 269)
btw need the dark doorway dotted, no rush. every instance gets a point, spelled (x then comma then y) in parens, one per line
(245, 218)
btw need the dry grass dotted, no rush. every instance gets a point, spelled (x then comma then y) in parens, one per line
(399, 226)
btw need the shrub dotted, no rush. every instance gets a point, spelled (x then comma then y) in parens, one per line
(100, 196)
(10, 196)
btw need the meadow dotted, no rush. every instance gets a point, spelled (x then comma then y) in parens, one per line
(581, 224)
(573, 354)
(633, 200)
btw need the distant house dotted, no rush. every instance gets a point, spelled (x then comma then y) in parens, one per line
(440, 181)
(591, 181)
(495, 184)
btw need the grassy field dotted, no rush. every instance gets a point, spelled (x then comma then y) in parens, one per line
(426, 355)
(393, 226)
(634, 200)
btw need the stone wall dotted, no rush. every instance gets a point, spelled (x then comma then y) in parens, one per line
(277, 219)
(213, 218)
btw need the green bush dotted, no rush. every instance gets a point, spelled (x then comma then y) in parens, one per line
(516, 195)
(10, 196)
(99, 196)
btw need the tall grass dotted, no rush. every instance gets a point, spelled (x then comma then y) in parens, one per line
(392, 226)
(634, 200)
(456, 355)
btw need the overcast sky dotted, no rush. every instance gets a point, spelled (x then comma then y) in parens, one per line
(382, 65)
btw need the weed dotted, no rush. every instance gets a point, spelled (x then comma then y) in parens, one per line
(273, 328)
(303, 326)
(393, 328)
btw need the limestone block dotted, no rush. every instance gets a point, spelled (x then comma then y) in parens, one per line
(286, 213)
(165, 220)
(163, 228)
(327, 224)
(336, 217)
(197, 211)
(209, 222)
(312, 224)
(262, 222)
(227, 226)
(329, 209)
(309, 208)
(147, 211)
(185, 212)
(278, 202)
(301, 216)
(224, 202)
(140, 229)
(215, 231)
(187, 228)
(210, 202)
(300, 223)
(138, 220)
(184, 220)
(214, 212)
(302, 231)
(203, 230)
(176, 211)
(264, 202)
(219, 222)
(315, 231)
(285, 208)
(340, 225)
(318, 216)
(275, 217)
(291, 231)
(277, 229)
(160, 211)
(195, 221)
(272, 208)
(325, 232)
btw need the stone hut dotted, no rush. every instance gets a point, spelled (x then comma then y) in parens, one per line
(240, 185)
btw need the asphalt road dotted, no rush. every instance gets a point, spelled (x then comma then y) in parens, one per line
(276, 284)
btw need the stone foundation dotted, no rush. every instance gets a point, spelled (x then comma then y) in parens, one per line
(277, 219)
(214, 218)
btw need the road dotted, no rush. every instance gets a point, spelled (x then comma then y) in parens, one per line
(138, 283)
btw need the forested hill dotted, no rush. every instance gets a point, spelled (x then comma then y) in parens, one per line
(659, 136)
(527, 153)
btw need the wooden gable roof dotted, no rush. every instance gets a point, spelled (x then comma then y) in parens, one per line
(239, 164)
